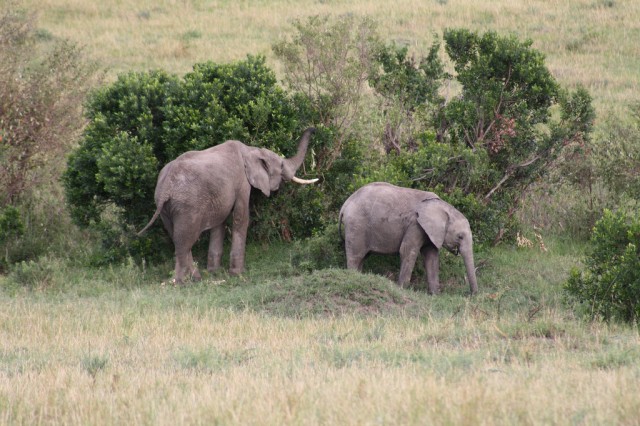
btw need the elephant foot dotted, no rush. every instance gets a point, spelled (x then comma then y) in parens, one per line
(213, 269)
(236, 271)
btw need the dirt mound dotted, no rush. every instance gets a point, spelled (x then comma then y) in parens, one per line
(333, 292)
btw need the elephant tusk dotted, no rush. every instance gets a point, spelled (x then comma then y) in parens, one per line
(303, 181)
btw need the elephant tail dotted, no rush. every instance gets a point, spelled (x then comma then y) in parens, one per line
(340, 225)
(153, 219)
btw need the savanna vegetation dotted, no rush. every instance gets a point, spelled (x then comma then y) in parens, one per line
(524, 115)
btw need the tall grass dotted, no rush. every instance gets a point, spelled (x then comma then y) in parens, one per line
(589, 42)
(217, 352)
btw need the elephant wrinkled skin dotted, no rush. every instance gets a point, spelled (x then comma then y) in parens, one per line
(198, 191)
(383, 218)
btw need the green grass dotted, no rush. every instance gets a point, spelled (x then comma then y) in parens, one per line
(115, 345)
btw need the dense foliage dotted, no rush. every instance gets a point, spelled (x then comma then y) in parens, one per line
(617, 154)
(482, 148)
(144, 120)
(609, 287)
(479, 149)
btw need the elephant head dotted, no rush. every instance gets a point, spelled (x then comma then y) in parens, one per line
(266, 170)
(446, 226)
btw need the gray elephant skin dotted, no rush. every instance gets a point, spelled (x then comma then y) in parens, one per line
(387, 219)
(198, 191)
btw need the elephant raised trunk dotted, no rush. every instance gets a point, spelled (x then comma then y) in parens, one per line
(291, 165)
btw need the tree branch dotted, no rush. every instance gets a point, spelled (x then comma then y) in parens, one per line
(510, 171)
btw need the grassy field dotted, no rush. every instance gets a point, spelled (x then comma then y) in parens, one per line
(119, 345)
(114, 346)
(589, 42)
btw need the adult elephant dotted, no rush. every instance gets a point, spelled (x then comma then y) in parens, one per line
(384, 218)
(198, 191)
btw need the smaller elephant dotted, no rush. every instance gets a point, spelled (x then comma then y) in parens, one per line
(384, 218)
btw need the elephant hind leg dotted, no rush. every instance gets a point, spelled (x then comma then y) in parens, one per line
(355, 255)
(216, 245)
(168, 223)
(185, 267)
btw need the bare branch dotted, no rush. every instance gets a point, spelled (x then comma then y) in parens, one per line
(510, 171)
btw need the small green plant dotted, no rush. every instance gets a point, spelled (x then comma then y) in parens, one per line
(10, 223)
(210, 360)
(32, 274)
(325, 250)
(93, 364)
(609, 287)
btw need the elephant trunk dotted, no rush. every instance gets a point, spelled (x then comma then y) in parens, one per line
(467, 257)
(293, 164)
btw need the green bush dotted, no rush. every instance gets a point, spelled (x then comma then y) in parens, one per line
(617, 154)
(11, 224)
(144, 120)
(609, 286)
(11, 229)
(482, 149)
(324, 250)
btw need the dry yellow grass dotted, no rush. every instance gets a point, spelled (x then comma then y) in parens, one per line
(119, 359)
(592, 42)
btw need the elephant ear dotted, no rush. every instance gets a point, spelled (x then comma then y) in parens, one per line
(257, 170)
(434, 219)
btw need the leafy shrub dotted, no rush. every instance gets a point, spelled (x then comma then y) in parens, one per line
(43, 82)
(482, 149)
(408, 93)
(617, 154)
(10, 223)
(324, 250)
(609, 287)
(42, 86)
(33, 275)
(144, 120)
(11, 229)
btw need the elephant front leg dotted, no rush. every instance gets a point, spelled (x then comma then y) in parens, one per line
(432, 268)
(408, 256)
(239, 236)
(216, 245)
